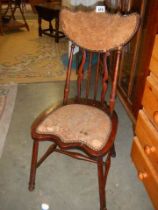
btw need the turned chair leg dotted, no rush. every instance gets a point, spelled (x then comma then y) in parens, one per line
(33, 165)
(102, 178)
(113, 151)
(101, 182)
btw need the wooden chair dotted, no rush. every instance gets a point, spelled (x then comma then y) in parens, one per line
(87, 122)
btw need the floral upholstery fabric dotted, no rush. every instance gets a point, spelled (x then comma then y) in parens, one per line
(79, 124)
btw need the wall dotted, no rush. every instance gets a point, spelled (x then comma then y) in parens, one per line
(78, 2)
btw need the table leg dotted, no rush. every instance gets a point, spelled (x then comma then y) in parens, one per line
(50, 27)
(57, 29)
(39, 26)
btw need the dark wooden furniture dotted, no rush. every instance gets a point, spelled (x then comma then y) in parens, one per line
(137, 54)
(87, 122)
(7, 16)
(49, 11)
(145, 145)
(35, 2)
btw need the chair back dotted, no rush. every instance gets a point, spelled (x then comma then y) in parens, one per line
(93, 80)
(100, 35)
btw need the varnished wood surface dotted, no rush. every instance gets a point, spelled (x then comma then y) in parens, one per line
(154, 59)
(49, 11)
(146, 172)
(139, 69)
(145, 146)
(148, 138)
(150, 99)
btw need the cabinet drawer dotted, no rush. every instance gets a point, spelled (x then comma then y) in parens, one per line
(150, 99)
(146, 172)
(148, 136)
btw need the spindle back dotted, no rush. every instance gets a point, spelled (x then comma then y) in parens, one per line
(93, 80)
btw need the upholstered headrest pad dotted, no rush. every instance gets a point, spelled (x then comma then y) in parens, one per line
(98, 31)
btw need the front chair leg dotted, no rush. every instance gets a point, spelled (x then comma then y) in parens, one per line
(33, 165)
(101, 182)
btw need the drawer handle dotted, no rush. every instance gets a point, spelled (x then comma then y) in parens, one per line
(142, 175)
(155, 116)
(149, 149)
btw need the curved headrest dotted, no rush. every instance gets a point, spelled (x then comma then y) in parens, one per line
(98, 31)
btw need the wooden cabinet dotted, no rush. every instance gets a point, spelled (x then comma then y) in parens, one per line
(145, 144)
(136, 56)
(147, 173)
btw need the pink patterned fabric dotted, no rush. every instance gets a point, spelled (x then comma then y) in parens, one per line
(79, 124)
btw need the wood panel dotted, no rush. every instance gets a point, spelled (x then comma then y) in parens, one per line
(148, 137)
(138, 70)
(150, 100)
(145, 146)
(154, 59)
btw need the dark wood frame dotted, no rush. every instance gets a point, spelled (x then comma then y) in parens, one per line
(107, 106)
(46, 11)
(142, 55)
(149, 31)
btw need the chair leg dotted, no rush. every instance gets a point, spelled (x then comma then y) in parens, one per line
(33, 165)
(113, 151)
(101, 182)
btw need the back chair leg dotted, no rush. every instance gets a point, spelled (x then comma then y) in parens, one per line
(33, 165)
(113, 151)
(101, 182)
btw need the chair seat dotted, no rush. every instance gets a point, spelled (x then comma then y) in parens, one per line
(78, 123)
(98, 31)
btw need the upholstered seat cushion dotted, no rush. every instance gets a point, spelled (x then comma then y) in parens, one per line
(79, 124)
(98, 31)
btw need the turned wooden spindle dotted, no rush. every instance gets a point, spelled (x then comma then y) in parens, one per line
(97, 77)
(68, 74)
(105, 78)
(114, 84)
(89, 74)
(81, 74)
